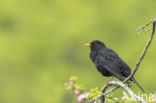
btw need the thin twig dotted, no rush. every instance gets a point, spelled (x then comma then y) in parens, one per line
(107, 92)
(138, 62)
(114, 99)
(104, 89)
(107, 97)
(145, 49)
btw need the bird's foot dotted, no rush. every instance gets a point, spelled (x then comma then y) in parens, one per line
(111, 78)
(129, 84)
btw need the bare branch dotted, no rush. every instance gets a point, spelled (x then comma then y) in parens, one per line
(107, 97)
(122, 85)
(145, 49)
(130, 92)
(104, 89)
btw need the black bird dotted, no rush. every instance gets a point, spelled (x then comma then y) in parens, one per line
(108, 63)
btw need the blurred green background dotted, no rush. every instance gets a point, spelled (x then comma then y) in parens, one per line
(41, 45)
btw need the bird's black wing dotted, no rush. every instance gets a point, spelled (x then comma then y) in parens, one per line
(109, 60)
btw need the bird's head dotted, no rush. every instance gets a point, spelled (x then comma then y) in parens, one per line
(95, 45)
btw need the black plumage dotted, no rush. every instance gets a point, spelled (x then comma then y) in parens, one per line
(108, 63)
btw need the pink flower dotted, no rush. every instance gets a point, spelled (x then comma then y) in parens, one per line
(76, 91)
(81, 97)
(71, 83)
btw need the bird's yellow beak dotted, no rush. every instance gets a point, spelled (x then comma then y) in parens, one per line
(88, 45)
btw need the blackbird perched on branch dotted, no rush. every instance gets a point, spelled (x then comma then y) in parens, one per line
(108, 63)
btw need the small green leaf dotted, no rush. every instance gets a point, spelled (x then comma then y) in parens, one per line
(73, 78)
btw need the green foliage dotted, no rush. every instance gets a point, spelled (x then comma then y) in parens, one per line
(73, 78)
(94, 93)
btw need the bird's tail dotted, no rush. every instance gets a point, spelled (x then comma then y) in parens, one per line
(137, 84)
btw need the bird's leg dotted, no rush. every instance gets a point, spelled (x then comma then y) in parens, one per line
(111, 78)
(129, 85)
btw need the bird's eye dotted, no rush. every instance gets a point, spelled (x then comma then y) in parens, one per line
(95, 44)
